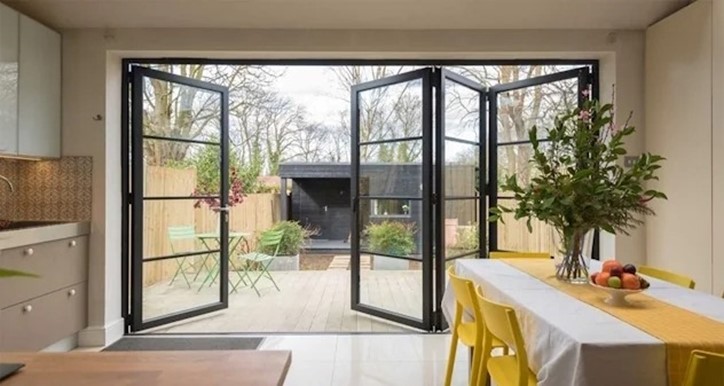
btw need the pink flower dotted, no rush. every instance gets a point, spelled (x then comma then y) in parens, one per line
(585, 115)
(585, 92)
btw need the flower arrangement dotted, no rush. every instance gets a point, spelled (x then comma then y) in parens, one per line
(580, 184)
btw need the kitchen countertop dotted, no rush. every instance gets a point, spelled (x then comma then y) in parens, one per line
(40, 234)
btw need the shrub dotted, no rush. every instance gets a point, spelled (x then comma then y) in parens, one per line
(293, 239)
(391, 238)
(467, 238)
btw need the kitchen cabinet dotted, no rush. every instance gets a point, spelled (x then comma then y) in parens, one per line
(9, 28)
(38, 312)
(30, 87)
(38, 90)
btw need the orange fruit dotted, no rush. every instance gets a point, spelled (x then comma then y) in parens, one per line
(630, 281)
(602, 279)
(608, 264)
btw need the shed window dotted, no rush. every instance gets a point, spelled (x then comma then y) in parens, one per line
(390, 208)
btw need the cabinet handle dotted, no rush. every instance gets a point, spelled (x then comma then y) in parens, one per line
(71, 292)
(27, 308)
(72, 243)
(29, 252)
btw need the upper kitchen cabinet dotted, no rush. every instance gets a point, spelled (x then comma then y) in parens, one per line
(39, 95)
(8, 80)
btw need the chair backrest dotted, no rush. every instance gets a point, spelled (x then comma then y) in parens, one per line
(501, 322)
(519, 255)
(705, 369)
(671, 277)
(464, 291)
(272, 239)
(183, 232)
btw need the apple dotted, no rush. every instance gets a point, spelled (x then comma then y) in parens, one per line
(630, 281)
(593, 277)
(602, 279)
(629, 268)
(610, 264)
(617, 271)
(614, 282)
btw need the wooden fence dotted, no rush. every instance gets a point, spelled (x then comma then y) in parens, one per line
(257, 213)
(260, 211)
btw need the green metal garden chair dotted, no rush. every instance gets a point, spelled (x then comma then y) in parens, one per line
(176, 234)
(260, 262)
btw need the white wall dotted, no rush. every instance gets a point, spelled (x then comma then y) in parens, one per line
(683, 237)
(91, 79)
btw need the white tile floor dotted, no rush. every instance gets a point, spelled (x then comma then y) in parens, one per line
(369, 360)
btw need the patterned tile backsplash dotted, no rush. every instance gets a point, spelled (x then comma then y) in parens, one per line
(47, 190)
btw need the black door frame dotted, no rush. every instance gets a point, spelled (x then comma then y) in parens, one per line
(425, 76)
(135, 319)
(125, 143)
(587, 80)
(442, 78)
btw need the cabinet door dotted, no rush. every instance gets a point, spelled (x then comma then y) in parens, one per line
(39, 90)
(8, 80)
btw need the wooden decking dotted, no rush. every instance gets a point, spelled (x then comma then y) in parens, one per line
(308, 301)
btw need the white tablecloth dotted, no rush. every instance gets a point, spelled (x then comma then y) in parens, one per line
(571, 343)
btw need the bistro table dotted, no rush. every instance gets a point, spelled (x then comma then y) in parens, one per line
(572, 343)
(212, 241)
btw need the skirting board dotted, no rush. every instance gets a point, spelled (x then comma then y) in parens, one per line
(101, 336)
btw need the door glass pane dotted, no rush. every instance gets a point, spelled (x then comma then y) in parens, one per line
(461, 227)
(520, 110)
(178, 226)
(462, 112)
(395, 286)
(398, 235)
(174, 110)
(515, 160)
(391, 112)
(391, 169)
(179, 284)
(461, 169)
(513, 235)
(181, 169)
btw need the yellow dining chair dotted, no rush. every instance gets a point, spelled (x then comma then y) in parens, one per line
(469, 332)
(671, 277)
(502, 324)
(705, 369)
(522, 255)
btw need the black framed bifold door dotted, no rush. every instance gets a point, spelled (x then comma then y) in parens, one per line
(514, 108)
(175, 119)
(392, 227)
(460, 210)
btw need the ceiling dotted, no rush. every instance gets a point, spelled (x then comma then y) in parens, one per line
(350, 14)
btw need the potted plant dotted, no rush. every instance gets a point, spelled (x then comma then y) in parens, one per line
(391, 238)
(294, 238)
(580, 183)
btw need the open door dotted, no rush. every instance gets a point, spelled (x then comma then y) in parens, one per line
(513, 109)
(186, 273)
(392, 202)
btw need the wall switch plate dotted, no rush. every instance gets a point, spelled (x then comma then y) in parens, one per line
(630, 160)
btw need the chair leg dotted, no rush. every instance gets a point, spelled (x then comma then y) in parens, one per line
(475, 364)
(265, 268)
(180, 270)
(451, 358)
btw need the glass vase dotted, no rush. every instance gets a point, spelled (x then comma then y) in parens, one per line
(573, 267)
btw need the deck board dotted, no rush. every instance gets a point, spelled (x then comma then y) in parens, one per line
(309, 301)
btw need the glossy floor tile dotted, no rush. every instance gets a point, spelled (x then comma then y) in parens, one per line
(369, 360)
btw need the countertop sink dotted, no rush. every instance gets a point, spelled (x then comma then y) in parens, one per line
(14, 225)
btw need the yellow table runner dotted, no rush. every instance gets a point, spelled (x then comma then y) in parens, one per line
(679, 329)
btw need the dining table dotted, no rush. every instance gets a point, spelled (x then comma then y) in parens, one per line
(570, 341)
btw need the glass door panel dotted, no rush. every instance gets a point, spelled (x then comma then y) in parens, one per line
(514, 109)
(391, 192)
(179, 261)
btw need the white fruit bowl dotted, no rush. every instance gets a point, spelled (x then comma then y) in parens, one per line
(616, 296)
